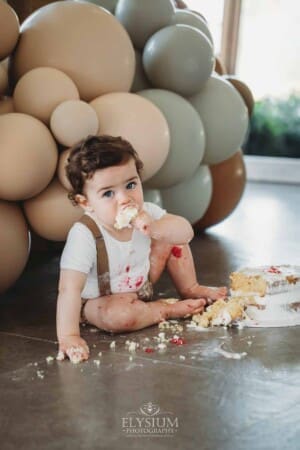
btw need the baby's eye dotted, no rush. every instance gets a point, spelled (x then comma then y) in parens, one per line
(108, 194)
(131, 185)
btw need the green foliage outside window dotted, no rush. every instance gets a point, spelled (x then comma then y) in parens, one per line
(275, 128)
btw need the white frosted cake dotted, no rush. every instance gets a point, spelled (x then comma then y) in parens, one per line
(276, 290)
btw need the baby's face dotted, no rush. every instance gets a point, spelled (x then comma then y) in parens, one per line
(111, 189)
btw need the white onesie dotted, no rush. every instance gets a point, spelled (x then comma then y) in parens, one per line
(128, 261)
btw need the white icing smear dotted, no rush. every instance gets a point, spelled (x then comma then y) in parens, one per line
(229, 355)
(125, 216)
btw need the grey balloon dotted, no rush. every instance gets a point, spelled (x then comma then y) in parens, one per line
(190, 198)
(140, 80)
(186, 17)
(178, 58)
(110, 5)
(187, 138)
(224, 116)
(142, 18)
(153, 195)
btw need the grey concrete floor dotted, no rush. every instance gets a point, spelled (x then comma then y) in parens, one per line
(187, 397)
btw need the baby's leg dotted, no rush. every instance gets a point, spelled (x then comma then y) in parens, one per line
(180, 264)
(125, 312)
(181, 268)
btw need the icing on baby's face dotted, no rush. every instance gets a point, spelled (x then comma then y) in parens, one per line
(110, 190)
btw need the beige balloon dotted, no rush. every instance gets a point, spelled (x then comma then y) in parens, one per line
(51, 214)
(140, 122)
(72, 121)
(10, 28)
(14, 244)
(82, 40)
(3, 80)
(28, 156)
(61, 169)
(6, 105)
(41, 90)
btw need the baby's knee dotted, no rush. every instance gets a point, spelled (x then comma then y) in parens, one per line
(118, 320)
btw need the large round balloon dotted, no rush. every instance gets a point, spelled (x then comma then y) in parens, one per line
(190, 198)
(9, 29)
(41, 90)
(243, 90)
(142, 18)
(14, 244)
(228, 180)
(224, 116)
(82, 40)
(140, 122)
(187, 138)
(187, 17)
(178, 58)
(28, 156)
(51, 214)
(72, 121)
(109, 5)
(140, 80)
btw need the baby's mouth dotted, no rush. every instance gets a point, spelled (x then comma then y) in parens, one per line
(124, 217)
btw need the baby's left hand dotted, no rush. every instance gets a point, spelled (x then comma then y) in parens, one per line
(142, 222)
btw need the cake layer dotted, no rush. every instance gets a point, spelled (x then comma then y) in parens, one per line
(265, 280)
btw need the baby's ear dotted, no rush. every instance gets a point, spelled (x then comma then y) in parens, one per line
(82, 201)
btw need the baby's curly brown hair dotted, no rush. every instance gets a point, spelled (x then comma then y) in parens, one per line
(93, 153)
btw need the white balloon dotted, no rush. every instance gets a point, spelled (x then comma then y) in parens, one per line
(224, 116)
(190, 198)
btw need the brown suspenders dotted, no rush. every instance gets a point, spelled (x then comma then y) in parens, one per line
(102, 258)
(145, 293)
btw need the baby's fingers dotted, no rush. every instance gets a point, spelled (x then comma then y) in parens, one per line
(61, 355)
(77, 354)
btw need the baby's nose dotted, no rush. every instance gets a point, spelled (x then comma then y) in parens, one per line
(123, 197)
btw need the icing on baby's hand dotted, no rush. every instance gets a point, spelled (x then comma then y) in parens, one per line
(142, 222)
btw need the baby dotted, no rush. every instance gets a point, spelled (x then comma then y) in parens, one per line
(119, 249)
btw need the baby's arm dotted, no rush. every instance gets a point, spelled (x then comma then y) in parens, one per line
(170, 228)
(70, 287)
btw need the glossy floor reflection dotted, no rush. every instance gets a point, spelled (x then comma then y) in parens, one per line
(198, 396)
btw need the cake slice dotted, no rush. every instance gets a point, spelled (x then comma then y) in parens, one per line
(265, 280)
(224, 312)
(276, 290)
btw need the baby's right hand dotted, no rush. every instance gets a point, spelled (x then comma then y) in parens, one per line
(74, 347)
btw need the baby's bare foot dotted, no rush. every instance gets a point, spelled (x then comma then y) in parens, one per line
(184, 308)
(210, 293)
